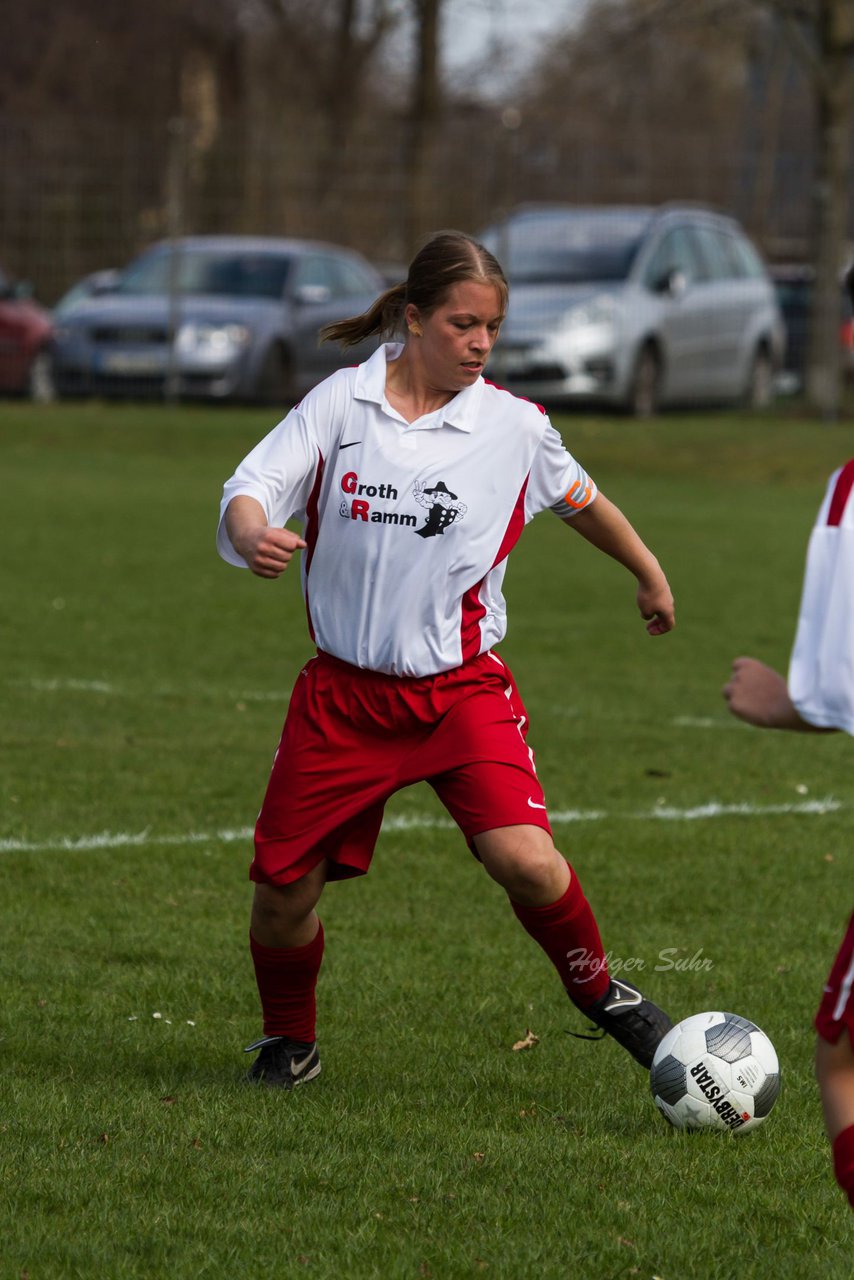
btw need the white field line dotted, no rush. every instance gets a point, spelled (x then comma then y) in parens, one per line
(104, 687)
(424, 822)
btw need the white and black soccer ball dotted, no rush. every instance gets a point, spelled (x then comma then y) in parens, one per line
(715, 1071)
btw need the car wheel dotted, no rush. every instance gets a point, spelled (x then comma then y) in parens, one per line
(275, 379)
(645, 387)
(41, 385)
(759, 392)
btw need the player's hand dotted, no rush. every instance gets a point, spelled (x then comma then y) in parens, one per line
(759, 694)
(655, 601)
(268, 551)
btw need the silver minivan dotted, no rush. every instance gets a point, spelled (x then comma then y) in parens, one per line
(635, 307)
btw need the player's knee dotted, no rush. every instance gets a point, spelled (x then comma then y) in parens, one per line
(276, 905)
(531, 870)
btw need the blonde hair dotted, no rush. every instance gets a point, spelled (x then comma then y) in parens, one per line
(446, 259)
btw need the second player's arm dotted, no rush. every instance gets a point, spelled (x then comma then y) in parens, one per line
(606, 528)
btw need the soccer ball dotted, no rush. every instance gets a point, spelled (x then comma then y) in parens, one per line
(715, 1071)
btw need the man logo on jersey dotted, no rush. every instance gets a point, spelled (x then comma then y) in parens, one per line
(443, 508)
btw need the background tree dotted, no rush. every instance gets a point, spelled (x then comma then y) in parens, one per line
(821, 35)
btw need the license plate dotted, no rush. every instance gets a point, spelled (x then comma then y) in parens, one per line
(133, 362)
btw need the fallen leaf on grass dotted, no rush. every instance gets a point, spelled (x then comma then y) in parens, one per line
(528, 1043)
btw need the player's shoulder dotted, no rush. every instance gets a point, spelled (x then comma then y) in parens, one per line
(514, 406)
(838, 507)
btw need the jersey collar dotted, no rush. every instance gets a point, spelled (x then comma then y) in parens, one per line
(370, 385)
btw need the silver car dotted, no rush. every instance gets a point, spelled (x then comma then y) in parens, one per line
(634, 307)
(216, 317)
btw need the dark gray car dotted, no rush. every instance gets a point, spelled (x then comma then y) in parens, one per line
(216, 317)
(634, 307)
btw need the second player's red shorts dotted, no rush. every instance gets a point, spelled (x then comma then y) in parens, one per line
(352, 738)
(836, 1011)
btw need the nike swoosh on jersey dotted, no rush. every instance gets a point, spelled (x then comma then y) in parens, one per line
(534, 804)
(348, 445)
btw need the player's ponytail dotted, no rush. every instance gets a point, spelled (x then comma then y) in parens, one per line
(384, 318)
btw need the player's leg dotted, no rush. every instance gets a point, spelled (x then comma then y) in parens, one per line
(834, 1068)
(320, 819)
(834, 1060)
(549, 903)
(286, 944)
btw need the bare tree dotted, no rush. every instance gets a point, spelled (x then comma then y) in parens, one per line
(821, 34)
(423, 119)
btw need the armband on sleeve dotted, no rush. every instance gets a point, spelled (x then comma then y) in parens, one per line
(580, 494)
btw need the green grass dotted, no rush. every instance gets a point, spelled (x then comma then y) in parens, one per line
(143, 685)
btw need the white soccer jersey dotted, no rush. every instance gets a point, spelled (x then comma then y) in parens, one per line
(408, 526)
(821, 670)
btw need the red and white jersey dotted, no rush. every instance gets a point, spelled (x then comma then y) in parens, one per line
(408, 525)
(821, 670)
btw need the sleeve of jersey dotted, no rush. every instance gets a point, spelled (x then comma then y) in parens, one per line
(278, 473)
(821, 668)
(556, 481)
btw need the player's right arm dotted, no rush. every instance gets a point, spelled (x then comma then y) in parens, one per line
(758, 694)
(267, 550)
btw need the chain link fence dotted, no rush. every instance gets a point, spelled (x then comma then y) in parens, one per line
(80, 195)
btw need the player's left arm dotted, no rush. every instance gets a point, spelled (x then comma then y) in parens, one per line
(603, 525)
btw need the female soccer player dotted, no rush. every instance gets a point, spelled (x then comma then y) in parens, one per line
(413, 479)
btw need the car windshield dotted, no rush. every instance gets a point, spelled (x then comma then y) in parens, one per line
(211, 272)
(566, 249)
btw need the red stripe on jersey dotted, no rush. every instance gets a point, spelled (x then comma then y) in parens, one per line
(527, 399)
(311, 531)
(473, 609)
(841, 493)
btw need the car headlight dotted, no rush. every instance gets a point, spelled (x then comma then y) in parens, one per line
(214, 342)
(601, 312)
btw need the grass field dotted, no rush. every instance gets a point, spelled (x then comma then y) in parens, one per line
(143, 686)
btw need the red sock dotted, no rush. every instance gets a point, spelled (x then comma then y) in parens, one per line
(843, 1161)
(568, 933)
(287, 977)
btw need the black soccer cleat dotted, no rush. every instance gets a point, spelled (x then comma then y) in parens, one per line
(282, 1063)
(634, 1022)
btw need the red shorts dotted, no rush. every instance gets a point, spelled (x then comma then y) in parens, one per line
(836, 1010)
(352, 738)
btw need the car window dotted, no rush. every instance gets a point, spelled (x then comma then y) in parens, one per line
(317, 270)
(353, 278)
(716, 263)
(566, 248)
(751, 263)
(676, 253)
(233, 275)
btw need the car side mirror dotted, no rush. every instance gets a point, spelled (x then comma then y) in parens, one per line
(672, 282)
(311, 294)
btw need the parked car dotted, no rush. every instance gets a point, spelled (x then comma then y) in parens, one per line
(217, 317)
(25, 332)
(634, 307)
(794, 284)
(97, 282)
